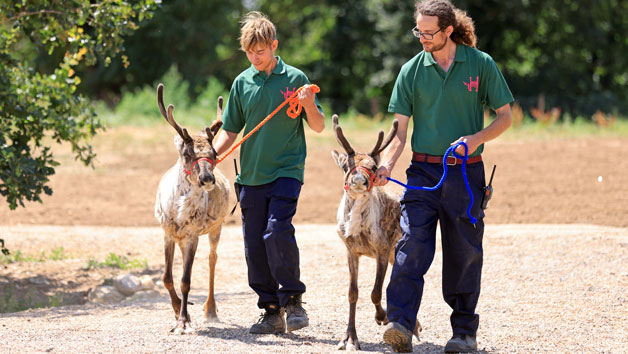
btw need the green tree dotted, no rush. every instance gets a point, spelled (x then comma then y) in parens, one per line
(38, 107)
(198, 37)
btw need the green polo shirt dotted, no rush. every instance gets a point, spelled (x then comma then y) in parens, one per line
(447, 105)
(278, 148)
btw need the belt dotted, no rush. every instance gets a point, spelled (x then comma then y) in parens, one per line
(451, 160)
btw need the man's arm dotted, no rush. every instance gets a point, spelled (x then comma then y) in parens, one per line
(393, 151)
(315, 118)
(224, 142)
(495, 129)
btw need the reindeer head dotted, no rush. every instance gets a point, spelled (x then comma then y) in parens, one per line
(197, 153)
(360, 168)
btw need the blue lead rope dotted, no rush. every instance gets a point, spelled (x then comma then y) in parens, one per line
(464, 158)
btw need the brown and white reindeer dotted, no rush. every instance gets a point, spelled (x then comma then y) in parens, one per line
(192, 200)
(368, 223)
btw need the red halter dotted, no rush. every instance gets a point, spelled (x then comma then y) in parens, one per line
(189, 172)
(367, 171)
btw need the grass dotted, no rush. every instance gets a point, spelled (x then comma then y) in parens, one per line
(11, 301)
(17, 256)
(196, 118)
(115, 261)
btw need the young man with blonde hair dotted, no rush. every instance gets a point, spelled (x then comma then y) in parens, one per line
(445, 89)
(272, 166)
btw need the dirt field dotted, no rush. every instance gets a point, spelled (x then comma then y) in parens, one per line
(537, 181)
(552, 282)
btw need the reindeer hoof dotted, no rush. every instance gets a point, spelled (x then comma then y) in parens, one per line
(349, 345)
(182, 327)
(182, 330)
(212, 319)
(381, 318)
(417, 329)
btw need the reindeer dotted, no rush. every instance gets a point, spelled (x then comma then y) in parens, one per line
(191, 201)
(368, 223)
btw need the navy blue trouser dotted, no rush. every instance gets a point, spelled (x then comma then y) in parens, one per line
(271, 251)
(461, 244)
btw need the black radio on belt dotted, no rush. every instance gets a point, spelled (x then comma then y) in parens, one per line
(488, 191)
(236, 187)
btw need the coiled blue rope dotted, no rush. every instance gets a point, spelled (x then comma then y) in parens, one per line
(450, 150)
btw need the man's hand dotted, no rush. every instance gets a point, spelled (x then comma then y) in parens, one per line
(380, 176)
(306, 97)
(472, 143)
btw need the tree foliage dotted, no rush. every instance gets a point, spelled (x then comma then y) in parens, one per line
(570, 53)
(38, 106)
(198, 37)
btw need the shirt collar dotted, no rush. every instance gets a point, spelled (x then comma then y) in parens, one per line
(461, 55)
(279, 69)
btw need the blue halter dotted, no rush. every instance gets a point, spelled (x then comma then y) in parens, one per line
(450, 150)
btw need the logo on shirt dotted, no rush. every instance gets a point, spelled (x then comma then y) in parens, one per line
(288, 92)
(472, 84)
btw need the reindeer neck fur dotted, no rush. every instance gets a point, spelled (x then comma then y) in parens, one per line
(188, 206)
(361, 214)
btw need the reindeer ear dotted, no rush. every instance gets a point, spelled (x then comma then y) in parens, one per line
(215, 127)
(178, 142)
(340, 159)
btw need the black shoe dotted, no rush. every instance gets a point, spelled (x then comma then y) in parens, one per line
(272, 321)
(296, 316)
(461, 343)
(399, 337)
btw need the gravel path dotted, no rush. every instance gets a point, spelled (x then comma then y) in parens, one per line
(546, 288)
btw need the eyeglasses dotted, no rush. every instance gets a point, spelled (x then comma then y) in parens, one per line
(428, 36)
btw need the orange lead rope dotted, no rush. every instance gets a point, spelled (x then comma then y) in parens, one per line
(293, 111)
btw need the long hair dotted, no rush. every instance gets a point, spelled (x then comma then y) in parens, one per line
(449, 15)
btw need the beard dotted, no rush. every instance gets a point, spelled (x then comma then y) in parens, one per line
(435, 47)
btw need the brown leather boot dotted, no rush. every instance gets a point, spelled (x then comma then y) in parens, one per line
(272, 321)
(296, 316)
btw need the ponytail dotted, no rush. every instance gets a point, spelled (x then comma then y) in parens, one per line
(464, 30)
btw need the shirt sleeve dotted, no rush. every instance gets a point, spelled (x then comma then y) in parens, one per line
(401, 99)
(233, 116)
(497, 92)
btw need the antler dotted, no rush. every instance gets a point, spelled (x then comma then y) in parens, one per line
(219, 109)
(211, 132)
(169, 117)
(379, 147)
(340, 136)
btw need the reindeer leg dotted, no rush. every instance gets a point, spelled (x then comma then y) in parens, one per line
(350, 342)
(376, 294)
(210, 311)
(167, 278)
(184, 323)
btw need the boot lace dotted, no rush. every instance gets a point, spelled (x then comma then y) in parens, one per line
(296, 308)
(266, 316)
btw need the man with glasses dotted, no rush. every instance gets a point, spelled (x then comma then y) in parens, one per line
(445, 89)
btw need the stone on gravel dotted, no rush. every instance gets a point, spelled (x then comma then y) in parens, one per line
(143, 295)
(104, 294)
(128, 284)
(147, 282)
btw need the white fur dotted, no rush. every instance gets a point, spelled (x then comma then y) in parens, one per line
(359, 214)
(189, 207)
